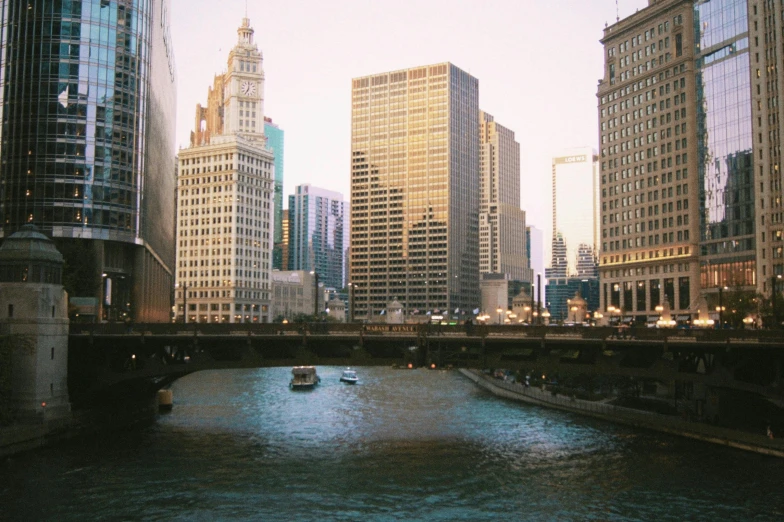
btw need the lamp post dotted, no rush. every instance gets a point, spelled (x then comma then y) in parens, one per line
(720, 308)
(500, 311)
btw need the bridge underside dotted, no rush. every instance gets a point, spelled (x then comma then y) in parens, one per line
(153, 356)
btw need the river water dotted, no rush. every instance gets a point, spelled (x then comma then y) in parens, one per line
(400, 445)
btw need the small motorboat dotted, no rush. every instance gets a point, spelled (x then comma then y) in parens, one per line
(349, 376)
(304, 378)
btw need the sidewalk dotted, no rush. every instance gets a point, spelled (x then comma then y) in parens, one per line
(638, 418)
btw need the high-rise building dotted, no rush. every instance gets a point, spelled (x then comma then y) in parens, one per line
(284, 241)
(414, 197)
(734, 140)
(677, 175)
(501, 220)
(575, 232)
(224, 198)
(275, 142)
(575, 211)
(87, 98)
(317, 239)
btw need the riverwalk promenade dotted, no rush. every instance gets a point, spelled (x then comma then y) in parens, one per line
(758, 443)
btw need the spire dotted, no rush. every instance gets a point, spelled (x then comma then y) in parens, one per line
(245, 31)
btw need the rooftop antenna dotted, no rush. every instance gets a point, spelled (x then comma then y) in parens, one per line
(617, 12)
(246, 7)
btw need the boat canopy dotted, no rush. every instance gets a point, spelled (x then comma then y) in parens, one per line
(304, 370)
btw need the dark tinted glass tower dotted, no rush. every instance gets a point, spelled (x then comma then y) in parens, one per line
(87, 112)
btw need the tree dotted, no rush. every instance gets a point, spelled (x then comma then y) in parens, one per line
(739, 304)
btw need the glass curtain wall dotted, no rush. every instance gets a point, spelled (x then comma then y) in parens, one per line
(725, 147)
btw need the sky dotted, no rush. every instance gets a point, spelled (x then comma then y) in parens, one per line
(538, 64)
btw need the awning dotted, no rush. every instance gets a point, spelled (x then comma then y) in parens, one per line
(683, 318)
(653, 318)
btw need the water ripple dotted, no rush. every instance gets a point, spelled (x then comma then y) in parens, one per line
(401, 445)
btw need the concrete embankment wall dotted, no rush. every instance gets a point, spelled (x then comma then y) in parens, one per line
(25, 437)
(757, 443)
(18, 438)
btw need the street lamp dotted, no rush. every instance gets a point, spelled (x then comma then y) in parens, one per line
(720, 308)
(500, 311)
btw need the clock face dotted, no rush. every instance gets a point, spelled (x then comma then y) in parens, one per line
(248, 88)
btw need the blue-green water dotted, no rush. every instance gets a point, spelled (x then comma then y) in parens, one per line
(401, 445)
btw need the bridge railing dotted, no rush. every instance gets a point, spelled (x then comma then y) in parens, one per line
(470, 330)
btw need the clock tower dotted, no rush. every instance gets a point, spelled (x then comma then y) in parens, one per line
(244, 87)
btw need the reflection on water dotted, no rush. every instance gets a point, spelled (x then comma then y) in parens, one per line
(400, 445)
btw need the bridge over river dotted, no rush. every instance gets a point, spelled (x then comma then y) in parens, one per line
(113, 360)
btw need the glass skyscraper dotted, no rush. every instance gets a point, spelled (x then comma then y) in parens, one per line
(414, 190)
(725, 153)
(275, 142)
(317, 238)
(87, 106)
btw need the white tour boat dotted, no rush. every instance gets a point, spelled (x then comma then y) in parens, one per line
(303, 378)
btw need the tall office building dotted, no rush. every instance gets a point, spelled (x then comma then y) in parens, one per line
(224, 198)
(275, 142)
(317, 240)
(501, 220)
(414, 203)
(575, 212)
(729, 116)
(574, 232)
(684, 153)
(284, 239)
(87, 97)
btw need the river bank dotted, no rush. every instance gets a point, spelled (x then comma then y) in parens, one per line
(757, 443)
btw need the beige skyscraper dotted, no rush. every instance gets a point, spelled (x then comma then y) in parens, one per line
(501, 220)
(224, 199)
(649, 163)
(414, 202)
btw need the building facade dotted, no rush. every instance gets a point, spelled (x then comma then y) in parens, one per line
(766, 70)
(575, 214)
(502, 248)
(691, 182)
(573, 250)
(414, 203)
(225, 199)
(87, 105)
(317, 241)
(284, 238)
(648, 132)
(293, 294)
(275, 141)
